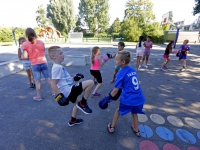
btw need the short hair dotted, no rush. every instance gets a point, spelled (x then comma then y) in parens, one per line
(53, 50)
(125, 55)
(186, 40)
(121, 44)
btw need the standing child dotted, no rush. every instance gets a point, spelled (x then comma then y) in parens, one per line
(131, 98)
(168, 50)
(96, 62)
(148, 45)
(26, 63)
(121, 46)
(34, 50)
(65, 89)
(183, 53)
(139, 52)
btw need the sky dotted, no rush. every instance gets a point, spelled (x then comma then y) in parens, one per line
(21, 13)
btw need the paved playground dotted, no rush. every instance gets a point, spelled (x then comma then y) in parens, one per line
(172, 109)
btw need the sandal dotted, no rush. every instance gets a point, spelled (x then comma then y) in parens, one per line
(110, 129)
(112, 81)
(137, 133)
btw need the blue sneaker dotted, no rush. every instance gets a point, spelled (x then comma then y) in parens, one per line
(84, 108)
(78, 121)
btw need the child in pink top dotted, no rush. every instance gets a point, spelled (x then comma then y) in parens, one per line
(96, 62)
(34, 50)
(148, 45)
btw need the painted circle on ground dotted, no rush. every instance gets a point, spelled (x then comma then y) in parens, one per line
(148, 145)
(198, 135)
(175, 121)
(185, 136)
(157, 118)
(164, 133)
(192, 148)
(170, 147)
(192, 122)
(142, 118)
(145, 131)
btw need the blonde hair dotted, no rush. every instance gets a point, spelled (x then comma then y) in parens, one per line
(53, 50)
(93, 53)
(125, 55)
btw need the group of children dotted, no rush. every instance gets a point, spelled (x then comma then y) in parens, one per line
(67, 89)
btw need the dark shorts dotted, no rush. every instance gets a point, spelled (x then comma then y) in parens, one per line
(76, 90)
(125, 109)
(182, 57)
(97, 75)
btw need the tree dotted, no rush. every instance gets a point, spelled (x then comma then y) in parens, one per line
(79, 24)
(130, 30)
(41, 17)
(94, 13)
(140, 10)
(116, 26)
(196, 9)
(61, 13)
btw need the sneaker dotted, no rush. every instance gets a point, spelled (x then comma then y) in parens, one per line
(146, 66)
(162, 69)
(84, 108)
(183, 69)
(36, 98)
(96, 95)
(110, 129)
(112, 81)
(95, 82)
(139, 67)
(32, 85)
(78, 121)
(165, 67)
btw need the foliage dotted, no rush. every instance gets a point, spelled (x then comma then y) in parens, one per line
(79, 25)
(196, 9)
(88, 35)
(61, 13)
(94, 14)
(101, 35)
(130, 30)
(41, 18)
(116, 26)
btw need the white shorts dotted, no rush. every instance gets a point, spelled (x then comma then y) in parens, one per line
(139, 52)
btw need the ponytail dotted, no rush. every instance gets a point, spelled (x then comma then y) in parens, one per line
(31, 35)
(141, 40)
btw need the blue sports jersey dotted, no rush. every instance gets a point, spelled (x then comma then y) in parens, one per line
(184, 49)
(127, 80)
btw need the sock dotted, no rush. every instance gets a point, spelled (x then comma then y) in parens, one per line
(73, 119)
(83, 101)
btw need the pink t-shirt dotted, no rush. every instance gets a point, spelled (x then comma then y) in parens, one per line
(96, 64)
(36, 52)
(148, 44)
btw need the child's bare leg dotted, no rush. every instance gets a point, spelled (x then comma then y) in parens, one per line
(74, 110)
(37, 83)
(29, 76)
(32, 79)
(147, 59)
(135, 122)
(114, 75)
(49, 83)
(97, 88)
(115, 118)
(143, 58)
(167, 61)
(87, 87)
(164, 64)
(137, 62)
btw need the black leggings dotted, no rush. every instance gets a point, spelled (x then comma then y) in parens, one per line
(97, 75)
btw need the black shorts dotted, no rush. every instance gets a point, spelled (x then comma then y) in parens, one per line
(97, 75)
(76, 90)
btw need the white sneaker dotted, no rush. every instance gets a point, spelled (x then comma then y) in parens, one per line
(139, 67)
(146, 66)
(162, 69)
(183, 69)
(36, 98)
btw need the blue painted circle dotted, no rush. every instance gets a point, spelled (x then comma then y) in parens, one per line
(164, 133)
(185, 136)
(145, 131)
(198, 134)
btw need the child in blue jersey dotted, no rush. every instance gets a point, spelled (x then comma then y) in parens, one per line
(183, 54)
(131, 98)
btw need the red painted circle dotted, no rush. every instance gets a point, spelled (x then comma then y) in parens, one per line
(192, 148)
(148, 145)
(170, 147)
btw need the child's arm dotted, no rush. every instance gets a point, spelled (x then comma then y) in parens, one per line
(25, 54)
(100, 61)
(19, 54)
(54, 87)
(114, 92)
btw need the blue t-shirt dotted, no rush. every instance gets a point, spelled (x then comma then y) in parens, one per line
(127, 80)
(184, 49)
